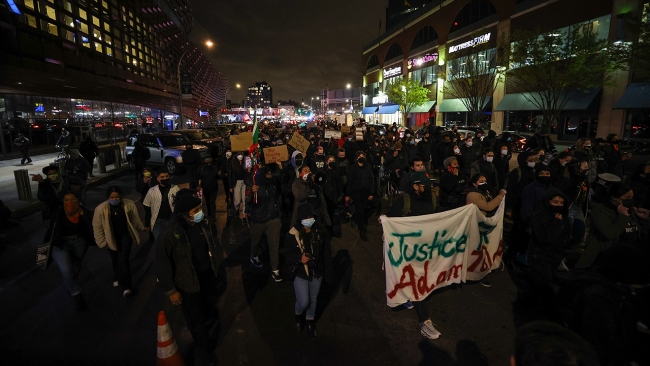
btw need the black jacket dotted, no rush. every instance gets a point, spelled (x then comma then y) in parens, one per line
(86, 220)
(191, 159)
(208, 174)
(424, 150)
(420, 205)
(318, 248)
(360, 179)
(265, 206)
(547, 230)
(88, 149)
(451, 189)
(174, 266)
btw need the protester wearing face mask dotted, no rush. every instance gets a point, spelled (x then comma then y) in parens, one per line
(486, 167)
(158, 204)
(517, 180)
(615, 222)
(145, 181)
(225, 164)
(469, 153)
(308, 250)
(70, 233)
(361, 193)
(559, 166)
(207, 179)
(238, 177)
(577, 188)
(409, 147)
(51, 189)
(333, 190)
(187, 263)
(452, 185)
(351, 147)
(306, 191)
(501, 162)
(584, 151)
(116, 224)
(424, 151)
(479, 194)
(550, 231)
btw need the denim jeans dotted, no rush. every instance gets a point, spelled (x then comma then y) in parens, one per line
(121, 263)
(240, 195)
(306, 295)
(159, 227)
(68, 258)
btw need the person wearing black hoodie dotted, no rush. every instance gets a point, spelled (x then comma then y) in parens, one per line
(439, 153)
(361, 192)
(263, 205)
(518, 179)
(308, 251)
(550, 232)
(424, 150)
(502, 156)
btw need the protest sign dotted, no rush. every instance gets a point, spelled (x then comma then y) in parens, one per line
(331, 133)
(273, 154)
(300, 143)
(311, 124)
(359, 135)
(345, 129)
(424, 253)
(241, 142)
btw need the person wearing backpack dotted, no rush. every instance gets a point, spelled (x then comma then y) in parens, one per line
(417, 201)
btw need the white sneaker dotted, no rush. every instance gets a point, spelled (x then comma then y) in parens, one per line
(115, 283)
(428, 330)
(127, 293)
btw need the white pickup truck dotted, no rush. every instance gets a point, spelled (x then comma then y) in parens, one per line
(166, 149)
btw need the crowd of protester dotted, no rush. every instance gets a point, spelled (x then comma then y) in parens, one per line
(577, 248)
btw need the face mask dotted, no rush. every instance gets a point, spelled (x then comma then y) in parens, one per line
(198, 217)
(504, 152)
(412, 142)
(53, 177)
(228, 155)
(163, 182)
(629, 203)
(489, 159)
(544, 180)
(308, 223)
(457, 151)
(331, 165)
(587, 147)
(531, 164)
(349, 138)
(451, 169)
(563, 163)
(469, 144)
(556, 209)
(114, 202)
(408, 135)
(306, 177)
(361, 160)
(240, 157)
(483, 187)
(147, 174)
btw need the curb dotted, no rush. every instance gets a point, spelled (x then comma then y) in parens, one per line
(35, 205)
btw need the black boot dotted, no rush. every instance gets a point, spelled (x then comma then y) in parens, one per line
(79, 302)
(299, 323)
(362, 235)
(311, 328)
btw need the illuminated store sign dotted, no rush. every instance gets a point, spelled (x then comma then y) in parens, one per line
(381, 99)
(471, 43)
(39, 108)
(393, 71)
(422, 60)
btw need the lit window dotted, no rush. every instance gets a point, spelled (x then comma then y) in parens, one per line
(51, 13)
(67, 6)
(97, 34)
(104, 4)
(107, 27)
(98, 47)
(70, 36)
(52, 29)
(30, 20)
(128, 58)
(82, 14)
(68, 20)
(30, 4)
(85, 42)
(109, 51)
(83, 27)
(96, 21)
(108, 39)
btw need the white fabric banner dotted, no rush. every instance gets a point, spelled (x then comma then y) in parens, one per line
(424, 253)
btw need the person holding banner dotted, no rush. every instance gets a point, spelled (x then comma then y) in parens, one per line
(416, 202)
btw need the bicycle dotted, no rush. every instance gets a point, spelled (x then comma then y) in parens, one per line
(64, 154)
(388, 189)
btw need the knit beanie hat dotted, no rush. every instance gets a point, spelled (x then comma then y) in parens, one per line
(398, 145)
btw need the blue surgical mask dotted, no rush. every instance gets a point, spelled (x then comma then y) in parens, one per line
(198, 217)
(412, 142)
(114, 202)
(308, 223)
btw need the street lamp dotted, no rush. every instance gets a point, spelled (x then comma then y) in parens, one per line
(208, 44)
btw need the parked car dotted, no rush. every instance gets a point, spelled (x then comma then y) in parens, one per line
(205, 138)
(517, 141)
(166, 150)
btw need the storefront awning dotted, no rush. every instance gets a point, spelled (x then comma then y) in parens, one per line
(369, 110)
(518, 102)
(637, 95)
(424, 108)
(456, 105)
(388, 109)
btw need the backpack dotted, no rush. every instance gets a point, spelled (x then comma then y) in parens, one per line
(406, 209)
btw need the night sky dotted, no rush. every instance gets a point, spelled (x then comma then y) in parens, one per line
(298, 47)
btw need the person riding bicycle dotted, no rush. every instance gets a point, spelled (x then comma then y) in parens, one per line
(64, 141)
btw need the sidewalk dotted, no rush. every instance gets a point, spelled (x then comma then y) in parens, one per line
(9, 190)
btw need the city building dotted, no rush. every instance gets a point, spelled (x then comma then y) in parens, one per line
(103, 60)
(336, 101)
(261, 95)
(442, 36)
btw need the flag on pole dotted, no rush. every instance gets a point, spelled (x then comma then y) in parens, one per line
(254, 149)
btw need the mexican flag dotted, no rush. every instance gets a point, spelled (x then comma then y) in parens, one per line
(254, 149)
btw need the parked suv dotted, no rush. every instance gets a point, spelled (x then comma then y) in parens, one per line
(166, 149)
(205, 138)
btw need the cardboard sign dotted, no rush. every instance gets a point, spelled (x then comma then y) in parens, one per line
(273, 154)
(241, 142)
(345, 129)
(330, 133)
(359, 135)
(300, 143)
(311, 124)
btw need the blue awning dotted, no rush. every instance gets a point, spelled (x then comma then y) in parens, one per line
(578, 100)
(388, 109)
(637, 95)
(369, 110)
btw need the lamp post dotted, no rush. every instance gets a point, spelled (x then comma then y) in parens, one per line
(181, 125)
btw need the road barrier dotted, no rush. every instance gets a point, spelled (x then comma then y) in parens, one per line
(23, 184)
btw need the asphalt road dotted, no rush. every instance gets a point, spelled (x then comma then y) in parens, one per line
(356, 327)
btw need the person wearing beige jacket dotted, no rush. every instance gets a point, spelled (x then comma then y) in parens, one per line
(116, 224)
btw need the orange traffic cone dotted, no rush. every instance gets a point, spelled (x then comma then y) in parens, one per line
(168, 354)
